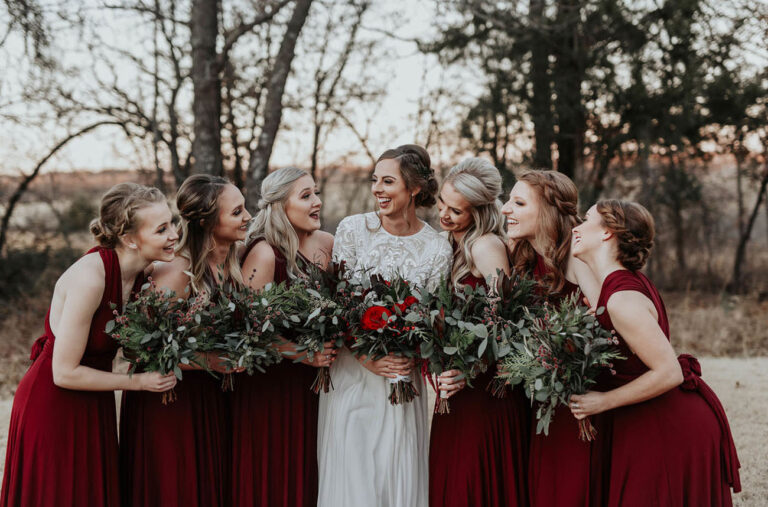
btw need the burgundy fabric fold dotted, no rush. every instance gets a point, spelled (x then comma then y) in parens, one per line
(478, 453)
(62, 443)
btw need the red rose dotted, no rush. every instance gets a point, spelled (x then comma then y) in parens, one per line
(375, 317)
(406, 303)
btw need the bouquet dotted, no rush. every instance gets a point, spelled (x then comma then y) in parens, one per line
(514, 296)
(158, 332)
(244, 324)
(561, 354)
(325, 317)
(383, 323)
(454, 333)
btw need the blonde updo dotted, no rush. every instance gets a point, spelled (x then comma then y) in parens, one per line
(633, 227)
(479, 182)
(118, 210)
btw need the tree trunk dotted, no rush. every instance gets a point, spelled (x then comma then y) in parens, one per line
(206, 147)
(541, 93)
(273, 108)
(737, 284)
(739, 192)
(567, 85)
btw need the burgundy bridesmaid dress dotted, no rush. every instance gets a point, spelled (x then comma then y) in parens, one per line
(176, 454)
(274, 431)
(62, 443)
(478, 454)
(672, 450)
(558, 467)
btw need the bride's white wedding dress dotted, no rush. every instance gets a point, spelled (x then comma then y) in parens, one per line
(371, 453)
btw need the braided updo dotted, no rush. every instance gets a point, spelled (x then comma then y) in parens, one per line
(415, 167)
(118, 211)
(558, 214)
(633, 227)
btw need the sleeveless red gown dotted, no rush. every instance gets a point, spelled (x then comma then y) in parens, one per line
(673, 450)
(62, 443)
(478, 454)
(558, 468)
(176, 454)
(274, 431)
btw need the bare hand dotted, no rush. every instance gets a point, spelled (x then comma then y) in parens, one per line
(389, 366)
(590, 403)
(448, 382)
(155, 382)
(324, 358)
(216, 363)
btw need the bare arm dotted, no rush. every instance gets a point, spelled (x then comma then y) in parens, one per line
(634, 317)
(81, 302)
(490, 255)
(585, 279)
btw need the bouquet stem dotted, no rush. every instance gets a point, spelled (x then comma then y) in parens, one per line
(587, 431)
(441, 404)
(169, 396)
(401, 390)
(228, 382)
(497, 388)
(322, 381)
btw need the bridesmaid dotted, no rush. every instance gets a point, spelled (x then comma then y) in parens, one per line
(663, 437)
(62, 439)
(274, 416)
(178, 454)
(479, 452)
(541, 211)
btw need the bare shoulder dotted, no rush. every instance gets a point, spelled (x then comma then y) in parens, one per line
(488, 243)
(172, 275)
(624, 305)
(86, 273)
(323, 241)
(261, 252)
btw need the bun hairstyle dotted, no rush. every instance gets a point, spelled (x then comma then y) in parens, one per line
(197, 202)
(118, 209)
(271, 223)
(479, 182)
(415, 166)
(633, 227)
(559, 205)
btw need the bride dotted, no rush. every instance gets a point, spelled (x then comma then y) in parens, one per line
(371, 453)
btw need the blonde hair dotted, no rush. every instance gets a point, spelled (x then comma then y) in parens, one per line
(559, 204)
(197, 202)
(479, 182)
(271, 223)
(118, 211)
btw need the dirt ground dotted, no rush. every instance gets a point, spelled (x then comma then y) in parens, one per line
(742, 385)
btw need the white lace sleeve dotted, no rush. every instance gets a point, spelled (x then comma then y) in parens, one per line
(441, 266)
(344, 244)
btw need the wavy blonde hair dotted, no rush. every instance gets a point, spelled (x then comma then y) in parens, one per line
(198, 205)
(271, 223)
(479, 182)
(558, 214)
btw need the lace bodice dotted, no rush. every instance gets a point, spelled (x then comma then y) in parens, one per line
(422, 258)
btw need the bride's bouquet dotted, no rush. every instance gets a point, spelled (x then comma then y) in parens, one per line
(454, 333)
(561, 353)
(382, 322)
(159, 331)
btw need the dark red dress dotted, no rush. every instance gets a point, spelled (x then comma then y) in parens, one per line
(673, 450)
(558, 468)
(176, 454)
(274, 431)
(62, 443)
(478, 453)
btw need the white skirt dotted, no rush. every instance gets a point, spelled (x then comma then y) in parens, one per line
(371, 453)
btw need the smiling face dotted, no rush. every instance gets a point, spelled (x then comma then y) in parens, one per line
(155, 236)
(522, 212)
(455, 211)
(389, 188)
(589, 235)
(232, 220)
(302, 207)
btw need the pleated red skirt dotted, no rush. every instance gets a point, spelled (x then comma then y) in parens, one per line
(176, 454)
(274, 435)
(478, 454)
(62, 444)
